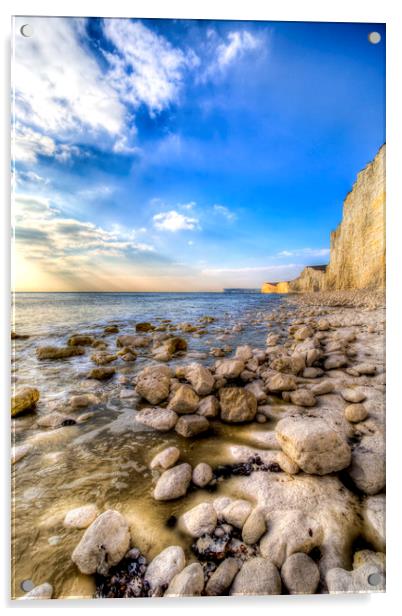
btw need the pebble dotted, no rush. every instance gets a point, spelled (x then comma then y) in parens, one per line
(102, 373)
(237, 512)
(254, 527)
(185, 400)
(281, 382)
(166, 458)
(355, 413)
(188, 583)
(164, 567)
(173, 483)
(103, 544)
(258, 576)
(24, 400)
(300, 574)
(365, 368)
(208, 407)
(43, 591)
(191, 425)
(82, 401)
(229, 368)
(199, 520)
(200, 378)
(81, 517)
(153, 383)
(157, 418)
(353, 395)
(325, 387)
(237, 404)
(312, 373)
(202, 474)
(222, 577)
(313, 444)
(303, 397)
(303, 333)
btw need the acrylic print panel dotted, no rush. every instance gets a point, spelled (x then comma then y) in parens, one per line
(198, 332)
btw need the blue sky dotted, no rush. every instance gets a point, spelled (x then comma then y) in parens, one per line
(186, 155)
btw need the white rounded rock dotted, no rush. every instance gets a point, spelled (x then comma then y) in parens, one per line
(103, 544)
(258, 576)
(202, 474)
(173, 483)
(353, 395)
(81, 517)
(187, 583)
(43, 591)
(164, 567)
(300, 574)
(166, 458)
(237, 512)
(199, 520)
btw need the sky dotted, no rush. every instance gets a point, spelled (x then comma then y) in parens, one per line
(186, 155)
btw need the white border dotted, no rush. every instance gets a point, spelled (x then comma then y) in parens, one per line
(388, 11)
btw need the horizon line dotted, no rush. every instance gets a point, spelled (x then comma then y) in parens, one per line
(198, 291)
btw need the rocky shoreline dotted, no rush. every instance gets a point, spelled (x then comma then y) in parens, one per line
(297, 508)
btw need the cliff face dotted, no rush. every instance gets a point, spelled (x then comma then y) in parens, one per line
(275, 287)
(311, 279)
(357, 258)
(357, 252)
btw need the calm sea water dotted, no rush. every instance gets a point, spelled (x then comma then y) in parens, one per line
(42, 313)
(105, 459)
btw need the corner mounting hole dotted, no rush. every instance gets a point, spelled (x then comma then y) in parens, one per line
(27, 585)
(26, 30)
(374, 38)
(374, 579)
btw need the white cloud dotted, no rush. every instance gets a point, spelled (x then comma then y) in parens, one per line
(174, 221)
(145, 68)
(122, 146)
(224, 211)
(59, 87)
(188, 206)
(28, 144)
(305, 252)
(236, 45)
(221, 53)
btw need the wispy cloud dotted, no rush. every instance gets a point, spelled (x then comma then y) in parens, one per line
(215, 271)
(236, 44)
(188, 206)
(173, 221)
(304, 252)
(100, 191)
(42, 232)
(223, 52)
(224, 211)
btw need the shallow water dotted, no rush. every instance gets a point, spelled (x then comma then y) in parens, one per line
(105, 459)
